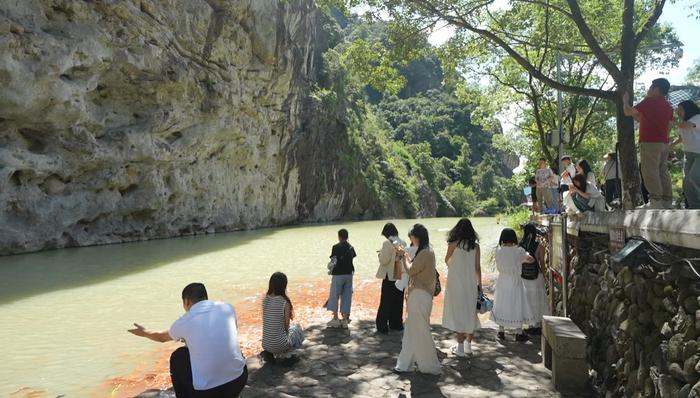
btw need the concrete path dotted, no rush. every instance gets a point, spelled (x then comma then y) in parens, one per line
(358, 363)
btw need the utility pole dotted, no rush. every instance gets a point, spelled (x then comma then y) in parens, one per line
(562, 216)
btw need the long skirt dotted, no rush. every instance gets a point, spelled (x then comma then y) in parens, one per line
(417, 346)
(537, 298)
(511, 308)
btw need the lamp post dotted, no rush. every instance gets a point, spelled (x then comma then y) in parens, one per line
(562, 216)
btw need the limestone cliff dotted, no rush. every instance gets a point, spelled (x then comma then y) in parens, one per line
(136, 119)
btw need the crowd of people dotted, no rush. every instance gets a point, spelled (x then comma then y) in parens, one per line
(211, 363)
(408, 274)
(553, 192)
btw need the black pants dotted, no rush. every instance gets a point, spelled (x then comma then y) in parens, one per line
(181, 376)
(390, 312)
(612, 189)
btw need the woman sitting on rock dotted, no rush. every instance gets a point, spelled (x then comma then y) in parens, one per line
(278, 337)
(584, 196)
(417, 345)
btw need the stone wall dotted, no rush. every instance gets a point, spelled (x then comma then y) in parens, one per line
(137, 119)
(642, 322)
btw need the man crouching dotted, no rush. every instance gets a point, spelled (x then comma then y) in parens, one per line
(211, 363)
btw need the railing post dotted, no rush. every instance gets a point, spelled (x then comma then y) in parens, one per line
(564, 266)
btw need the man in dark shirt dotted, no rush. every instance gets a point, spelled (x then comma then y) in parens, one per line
(655, 116)
(341, 283)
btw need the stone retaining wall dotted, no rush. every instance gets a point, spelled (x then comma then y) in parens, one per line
(642, 322)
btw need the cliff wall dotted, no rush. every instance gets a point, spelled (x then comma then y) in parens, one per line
(137, 119)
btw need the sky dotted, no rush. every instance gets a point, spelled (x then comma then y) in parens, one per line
(677, 14)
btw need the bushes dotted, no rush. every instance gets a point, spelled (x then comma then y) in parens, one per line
(516, 217)
(462, 198)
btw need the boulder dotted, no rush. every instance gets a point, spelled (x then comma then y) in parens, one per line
(689, 373)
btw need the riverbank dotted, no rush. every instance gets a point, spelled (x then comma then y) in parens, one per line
(60, 342)
(358, 362)
(308, 299)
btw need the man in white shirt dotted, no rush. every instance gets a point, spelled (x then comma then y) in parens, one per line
(569, 170)
(211, 363)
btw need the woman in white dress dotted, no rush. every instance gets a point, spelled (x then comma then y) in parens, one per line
(463, 285)
(510, 306)
(417, 345)
(534, 284)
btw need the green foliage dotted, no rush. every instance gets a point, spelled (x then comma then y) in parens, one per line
(488, 207)
(693, 76)
(438, 118)
(462, 198)
(515, 218)
(370, 62)
(414, 136)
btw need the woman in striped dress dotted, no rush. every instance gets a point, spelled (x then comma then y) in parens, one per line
(278, 337)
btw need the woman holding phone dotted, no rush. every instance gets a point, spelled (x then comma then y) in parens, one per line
(417, 345)
(390, 311)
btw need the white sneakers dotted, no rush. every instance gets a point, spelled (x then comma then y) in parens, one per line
(462, 350)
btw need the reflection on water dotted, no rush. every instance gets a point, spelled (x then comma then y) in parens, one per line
(64, 313)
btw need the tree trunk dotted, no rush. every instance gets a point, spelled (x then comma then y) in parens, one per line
(629, 167)
(631, 192)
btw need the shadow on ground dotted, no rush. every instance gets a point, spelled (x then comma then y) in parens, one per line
(358, 362)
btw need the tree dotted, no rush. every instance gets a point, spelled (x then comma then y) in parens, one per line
(608, 33)
(693, 76)
(536, 104)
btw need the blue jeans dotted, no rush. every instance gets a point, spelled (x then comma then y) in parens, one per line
(580, 202)
(555, 197)
(341, 289)
(691, 181)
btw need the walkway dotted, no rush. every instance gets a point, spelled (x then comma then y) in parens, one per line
(357, 363)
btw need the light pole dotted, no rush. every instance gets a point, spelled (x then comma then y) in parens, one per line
(562, 216)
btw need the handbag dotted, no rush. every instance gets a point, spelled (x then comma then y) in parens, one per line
(331, 264)
(530, 271)
(483, 304)
(438, 286)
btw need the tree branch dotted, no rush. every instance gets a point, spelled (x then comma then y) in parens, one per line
(585, 31)
(460, 21)
(650, 22)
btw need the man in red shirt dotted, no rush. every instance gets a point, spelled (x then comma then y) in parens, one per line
(655, 116)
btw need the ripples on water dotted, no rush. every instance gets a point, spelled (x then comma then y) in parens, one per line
(64, 313)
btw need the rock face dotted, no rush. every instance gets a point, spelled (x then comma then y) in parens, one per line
(135, 119)
(641, 321)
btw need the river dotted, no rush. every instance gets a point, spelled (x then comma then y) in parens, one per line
(64, 313)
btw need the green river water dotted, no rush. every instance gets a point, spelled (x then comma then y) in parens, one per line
(64, 313)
